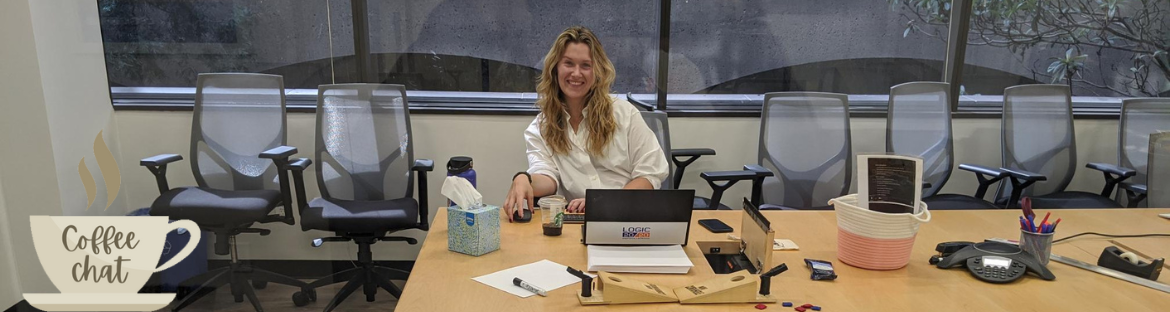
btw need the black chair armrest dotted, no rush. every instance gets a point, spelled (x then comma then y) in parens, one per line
(1021, 180)
(298, 167)
(160, 160)
(720, 181)
(926, 185)
(1113, 175)
(1110, 168)
(279, 152)
(733, 176)
(992, 172)
(1134, 187)
(680, 165)
(643, 105)
(300, 164)
(157, 165)
(422, 166)
(986, 177)
(691, 152)
(279, 156)
(1026, 176)
(1135, 192)
(759, 170)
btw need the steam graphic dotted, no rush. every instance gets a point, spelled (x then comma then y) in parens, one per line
(110, 174)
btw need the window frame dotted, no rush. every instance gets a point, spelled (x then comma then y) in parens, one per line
(682, 105)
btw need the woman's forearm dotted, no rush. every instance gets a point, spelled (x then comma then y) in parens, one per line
(639, 183)
(543, 185)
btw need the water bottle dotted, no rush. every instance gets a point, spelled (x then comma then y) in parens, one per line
(461, 166)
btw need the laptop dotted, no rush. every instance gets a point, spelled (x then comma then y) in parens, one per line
(637, 217)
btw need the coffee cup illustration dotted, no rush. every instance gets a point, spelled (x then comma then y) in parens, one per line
(99, 263)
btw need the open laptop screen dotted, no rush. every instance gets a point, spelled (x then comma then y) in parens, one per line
(637, 217)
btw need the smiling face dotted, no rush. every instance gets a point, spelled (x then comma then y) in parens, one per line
(575, 72)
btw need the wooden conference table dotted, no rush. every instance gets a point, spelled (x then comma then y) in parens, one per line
(442, 280)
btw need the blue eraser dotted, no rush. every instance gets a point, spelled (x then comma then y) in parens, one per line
(816, 308)
(787, 304)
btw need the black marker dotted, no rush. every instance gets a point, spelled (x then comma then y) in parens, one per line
(519, 283)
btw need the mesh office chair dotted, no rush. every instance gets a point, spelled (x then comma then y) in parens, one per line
(1155, 192)
(805, 153)
(919, 124)
(240, 162)
(1140, 118)
(660, 125)
(1039, 145)
(366, 170)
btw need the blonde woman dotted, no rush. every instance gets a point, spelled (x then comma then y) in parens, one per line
(583, 138)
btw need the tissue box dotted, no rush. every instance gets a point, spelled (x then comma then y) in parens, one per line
(474, 232)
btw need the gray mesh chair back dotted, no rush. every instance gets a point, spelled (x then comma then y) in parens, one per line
(1038, 136)
(237, 116)
(805, 141)
(1140, 118)
(1158, 183)
(363, 147)
(919, 124)
(657, 120)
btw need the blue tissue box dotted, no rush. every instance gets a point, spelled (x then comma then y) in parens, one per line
(474, 232)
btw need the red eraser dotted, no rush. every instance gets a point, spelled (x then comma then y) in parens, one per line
(801, 309)
(761, 306)
(806, 305)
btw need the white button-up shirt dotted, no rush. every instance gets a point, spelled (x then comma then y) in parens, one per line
(632, 153)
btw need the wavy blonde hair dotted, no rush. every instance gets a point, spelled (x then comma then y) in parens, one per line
(598, 105)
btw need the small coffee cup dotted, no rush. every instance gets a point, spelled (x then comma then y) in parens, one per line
(100, 254)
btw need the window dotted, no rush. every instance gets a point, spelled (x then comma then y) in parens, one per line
(728, 53)
(164, 43)
(492, 51)
(723, 55)
(447, 53)
(1102, 49)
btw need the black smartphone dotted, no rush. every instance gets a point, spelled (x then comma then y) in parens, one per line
(715, 226)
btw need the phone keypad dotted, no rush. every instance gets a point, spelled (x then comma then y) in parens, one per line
(995, 272)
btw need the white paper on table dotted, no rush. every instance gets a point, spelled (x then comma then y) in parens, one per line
(544, 274)
(670, 259)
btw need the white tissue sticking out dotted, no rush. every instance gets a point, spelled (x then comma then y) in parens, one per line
(460, 191)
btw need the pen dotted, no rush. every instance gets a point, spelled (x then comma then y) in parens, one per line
(1046, 215)
(519, 283)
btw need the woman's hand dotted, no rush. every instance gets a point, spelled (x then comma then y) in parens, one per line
(577, 205)
(520, 192)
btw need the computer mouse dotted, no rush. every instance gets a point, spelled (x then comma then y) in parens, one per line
(522, 216)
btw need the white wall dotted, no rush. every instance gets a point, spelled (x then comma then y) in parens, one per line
(53, 84)
(10, 285)
(496, 144)
(73, 78)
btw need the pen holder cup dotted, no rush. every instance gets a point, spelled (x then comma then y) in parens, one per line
(874, 240)
(1037, 244)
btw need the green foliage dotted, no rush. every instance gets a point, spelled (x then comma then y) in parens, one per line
(1131, 26)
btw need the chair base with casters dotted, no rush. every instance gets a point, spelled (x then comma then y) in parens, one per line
(243, 279)
(367, 275)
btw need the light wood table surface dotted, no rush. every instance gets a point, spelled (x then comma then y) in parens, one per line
(442, 280)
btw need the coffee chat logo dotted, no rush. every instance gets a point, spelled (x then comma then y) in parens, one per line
(636, 232)
(99, 263)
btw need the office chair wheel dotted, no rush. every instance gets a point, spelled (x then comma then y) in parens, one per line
(259, 284)
(302, 298)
